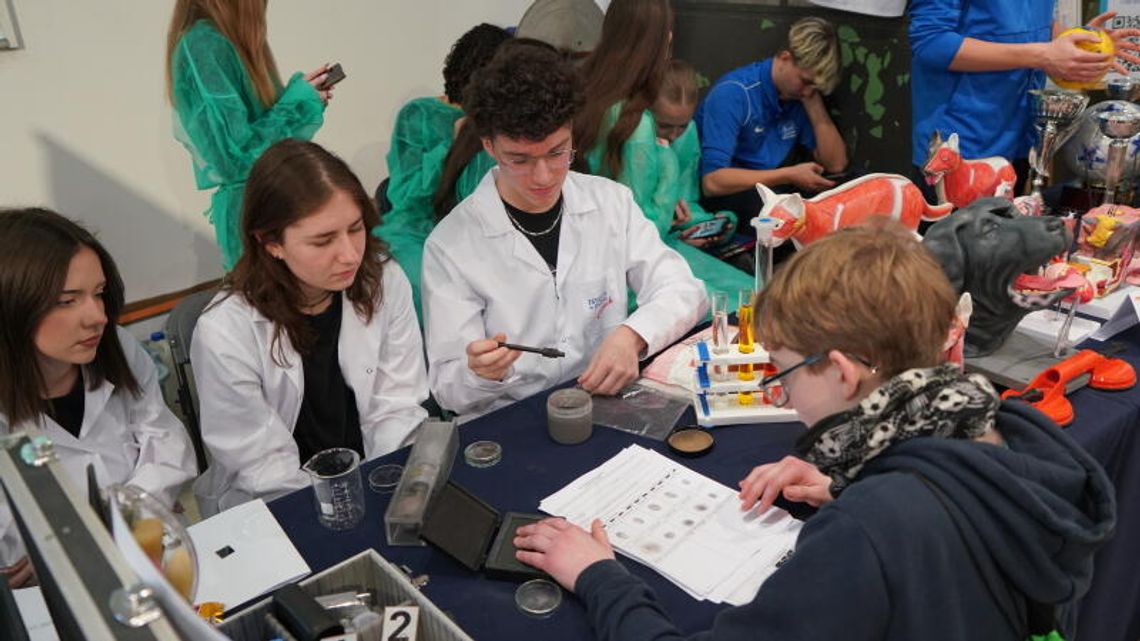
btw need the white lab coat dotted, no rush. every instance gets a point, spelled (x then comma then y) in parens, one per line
(481, 276)
(250, 404)
(135, 440)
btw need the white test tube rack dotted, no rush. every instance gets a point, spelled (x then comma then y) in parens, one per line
(707, 388)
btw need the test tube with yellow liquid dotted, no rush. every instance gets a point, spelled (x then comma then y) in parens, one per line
(746, 343)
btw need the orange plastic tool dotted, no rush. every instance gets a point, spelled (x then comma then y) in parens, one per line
(1046, 392)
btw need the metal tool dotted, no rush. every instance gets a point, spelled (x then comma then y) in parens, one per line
(548, 352)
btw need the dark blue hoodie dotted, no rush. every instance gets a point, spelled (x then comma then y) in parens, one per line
(886, 560)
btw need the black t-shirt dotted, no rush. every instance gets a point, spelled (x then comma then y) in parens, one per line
(328, 415)
(67, 410)
(542, 230)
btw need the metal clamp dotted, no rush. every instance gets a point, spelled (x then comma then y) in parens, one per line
(419, 581)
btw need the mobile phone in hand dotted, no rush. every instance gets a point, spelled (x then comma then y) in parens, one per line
(334, 75)
(709, 228)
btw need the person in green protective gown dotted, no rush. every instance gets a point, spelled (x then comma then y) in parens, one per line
(421, 139)
(230, 104)
(625, 78)
(679, 149)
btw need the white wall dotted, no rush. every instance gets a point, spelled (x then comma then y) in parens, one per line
(85, 128)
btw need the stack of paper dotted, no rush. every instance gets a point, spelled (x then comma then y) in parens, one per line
(680, 523)
(1105, 307)
(1126, 314)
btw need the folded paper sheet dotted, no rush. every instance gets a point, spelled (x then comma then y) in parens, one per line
(242, 554)
(680, 523)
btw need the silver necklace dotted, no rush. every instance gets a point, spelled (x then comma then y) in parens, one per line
(536, 234)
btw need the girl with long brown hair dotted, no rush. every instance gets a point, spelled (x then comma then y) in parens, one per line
(625, 77)
(313, 342)
(621, 79)
(230, 103)
(68, 371)
(678, 187)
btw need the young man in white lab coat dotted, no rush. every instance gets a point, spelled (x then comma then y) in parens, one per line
(542, 256)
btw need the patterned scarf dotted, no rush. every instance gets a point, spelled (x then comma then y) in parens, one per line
(940, 401)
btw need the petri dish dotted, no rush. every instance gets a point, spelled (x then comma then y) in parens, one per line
(538, 597)
(384, 478)
(690, 442)
(483, 453)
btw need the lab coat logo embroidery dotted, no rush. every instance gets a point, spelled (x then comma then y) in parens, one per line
(598, 305)
(789, 131)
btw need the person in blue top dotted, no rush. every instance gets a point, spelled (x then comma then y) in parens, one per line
(973, 64)
(755, 115)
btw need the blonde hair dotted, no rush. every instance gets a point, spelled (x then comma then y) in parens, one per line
(815, 47)
(679, 85)
(242, 22)
(872, 291)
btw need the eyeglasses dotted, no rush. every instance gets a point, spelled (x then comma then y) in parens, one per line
(778, 395)
(522, 164)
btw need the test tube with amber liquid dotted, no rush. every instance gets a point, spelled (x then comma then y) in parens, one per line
(745, 343)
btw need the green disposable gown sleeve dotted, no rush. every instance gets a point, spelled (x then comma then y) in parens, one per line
(224, 126)
(657, 176)
(716, 274)
(687, 149)
(640, 168)
(421, 138)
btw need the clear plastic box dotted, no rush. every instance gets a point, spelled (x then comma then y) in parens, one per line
(427, 470)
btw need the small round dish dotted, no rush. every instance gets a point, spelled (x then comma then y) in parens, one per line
(538, 597)
(483, 453)
(690, 442)
(385, 478)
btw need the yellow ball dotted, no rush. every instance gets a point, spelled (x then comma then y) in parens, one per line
(1103, 45)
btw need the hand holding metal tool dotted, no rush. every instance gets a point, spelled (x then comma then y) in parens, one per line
(548, 352)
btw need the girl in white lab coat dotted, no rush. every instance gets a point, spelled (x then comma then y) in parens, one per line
(66, 370)
(314, 342)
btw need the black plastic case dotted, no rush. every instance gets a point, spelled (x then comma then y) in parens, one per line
(302, 615)
(472, 532)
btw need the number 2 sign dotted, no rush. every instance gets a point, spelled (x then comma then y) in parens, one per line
(400, 623)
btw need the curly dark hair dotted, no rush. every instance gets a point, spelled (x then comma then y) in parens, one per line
(473, 50)
(524, 92)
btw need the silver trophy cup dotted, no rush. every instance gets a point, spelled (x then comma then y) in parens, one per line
(1054, 112)
(1118, 127)
(1122, 88)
